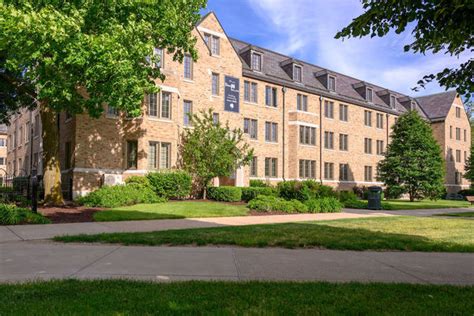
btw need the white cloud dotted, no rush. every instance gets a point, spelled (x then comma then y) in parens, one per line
(306, 28)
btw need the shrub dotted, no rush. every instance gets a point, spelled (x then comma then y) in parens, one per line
(252, 192)
(263, 203)
(347, 196)
(13, 215)
(324, 205)
(225, 193)
(258, 184)
(138, 180)
(360, 204)
(304, 190)
(467, 192)
(120, 195)
(171, 184)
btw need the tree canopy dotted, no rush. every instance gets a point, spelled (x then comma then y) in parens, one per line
(413, 163)
(210, 149)
(437, 26)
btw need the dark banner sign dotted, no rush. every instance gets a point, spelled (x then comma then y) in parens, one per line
(231, 94)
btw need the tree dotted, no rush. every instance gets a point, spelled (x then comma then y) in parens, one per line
(469, 167)
(209, 150)
(437, 26)
(78, 55)
(413, 163)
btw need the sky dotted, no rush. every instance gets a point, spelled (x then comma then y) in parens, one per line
(305, 29)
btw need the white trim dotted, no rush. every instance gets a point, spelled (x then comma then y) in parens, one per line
(210, 32)
(303, 112)
(170, 89)
(303, 123)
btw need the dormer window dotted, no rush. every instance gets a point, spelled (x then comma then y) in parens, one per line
(213, 42)
(392, 101)
(256, 61)
(297, 73)
(369, 95)
(332, 83)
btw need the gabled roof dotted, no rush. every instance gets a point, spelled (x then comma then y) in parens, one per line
(437, 106)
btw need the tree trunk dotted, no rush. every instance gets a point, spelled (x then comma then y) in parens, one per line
(51, 168)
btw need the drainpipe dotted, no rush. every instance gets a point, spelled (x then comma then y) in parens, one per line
(283, 133)
(321, 139)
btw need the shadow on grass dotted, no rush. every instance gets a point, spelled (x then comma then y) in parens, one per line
(112, 215)
(293, 235)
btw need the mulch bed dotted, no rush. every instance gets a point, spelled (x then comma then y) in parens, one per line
(70, 213)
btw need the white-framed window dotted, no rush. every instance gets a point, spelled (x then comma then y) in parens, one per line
(369, 95)
(271, 96)
(458, 133)
(368, 118)
(251, 128)
(188, 67)
(392, 101)
(368, 145)
(2, 161)
(3, 142)
(380, 147)
(458, 112)
(307, 169)
(368, 173)
(271, 132)
(343, 112)
(215, 84)
(331, 83)
(187, 111)
(159, 155)
(329, 109)
(256, 61)
(271, 167)
(250, 91)
(302, 102)
(379, 120)
(254, 166)
(165, 111)
(307, 135)
(297, 73)
(328, 170)
(458, 155)
(343, 142)
(215, 45)
(329, 140)
(152, 103)
(344, 172)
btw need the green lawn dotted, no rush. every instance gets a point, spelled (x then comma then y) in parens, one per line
(425, 204)
(120, 297)
(383, 233)
(462, 214)
(178, 209)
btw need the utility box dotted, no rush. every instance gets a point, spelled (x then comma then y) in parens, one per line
(375, 198)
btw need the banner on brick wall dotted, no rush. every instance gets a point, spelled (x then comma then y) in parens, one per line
(231, 94)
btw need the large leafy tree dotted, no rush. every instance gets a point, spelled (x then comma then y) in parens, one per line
(78, 55)
(210, 149)
(437, 26)
(469, 167)
(413, 163)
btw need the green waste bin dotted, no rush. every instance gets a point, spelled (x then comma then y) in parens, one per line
(375, 198)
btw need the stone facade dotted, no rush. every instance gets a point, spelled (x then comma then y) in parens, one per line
(91, 148)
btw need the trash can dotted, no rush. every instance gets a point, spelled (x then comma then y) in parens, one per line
(375, 198)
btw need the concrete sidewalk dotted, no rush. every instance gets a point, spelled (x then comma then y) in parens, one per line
(36, 232)
(20, 261)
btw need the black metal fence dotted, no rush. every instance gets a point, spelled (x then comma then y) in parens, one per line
(20, 189)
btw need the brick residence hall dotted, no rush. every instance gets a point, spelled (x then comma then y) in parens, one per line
(303, 121)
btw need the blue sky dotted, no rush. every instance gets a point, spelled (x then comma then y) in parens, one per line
(305, 29)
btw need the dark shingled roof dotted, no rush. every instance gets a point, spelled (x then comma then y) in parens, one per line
(437, 105)
(273, 72)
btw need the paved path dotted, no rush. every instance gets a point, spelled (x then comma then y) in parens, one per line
(37, 232)
(20, 261)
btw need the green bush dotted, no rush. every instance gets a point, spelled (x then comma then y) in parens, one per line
(120, 195)
(347, 196)
(12, 215)
(138, 180)
(263, 203)
(363, 204)
(258, 184)
(252, 192)
(304, 190)
(324, 205)
(466, 192)
(225, 193)
(171, 184)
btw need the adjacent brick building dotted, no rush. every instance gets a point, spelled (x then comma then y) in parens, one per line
(303, 121)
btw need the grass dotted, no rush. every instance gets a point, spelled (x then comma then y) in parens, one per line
(383, 233)
(425, 204)
(121, 297)
(465, 214)
(171, 210)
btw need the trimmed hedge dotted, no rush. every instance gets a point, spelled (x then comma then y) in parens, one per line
(171, 184)
(138, 180)
(304, 190)
(263, 203)
(258, 184)
(13, 215)
(324, 205)
(120, 195)
(225, 193)
(249, 193)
